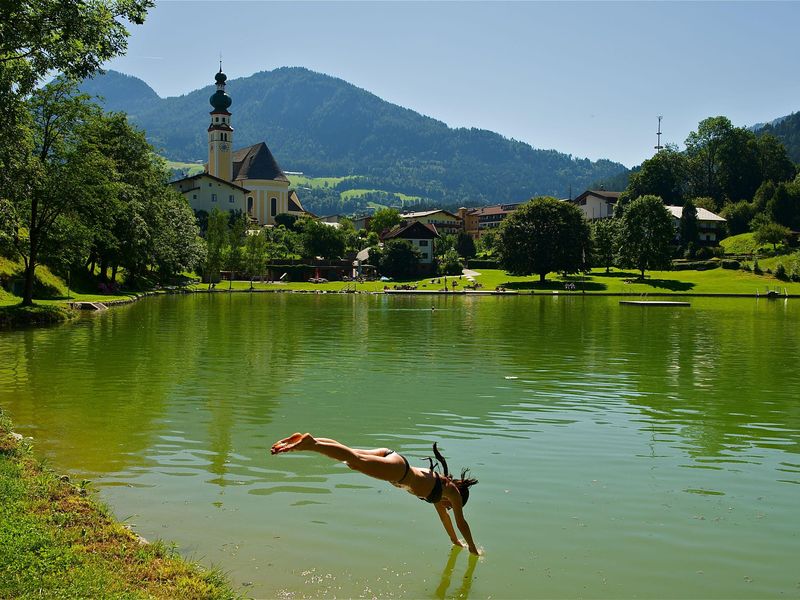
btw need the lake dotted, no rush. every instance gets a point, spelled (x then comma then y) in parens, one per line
(622, 451)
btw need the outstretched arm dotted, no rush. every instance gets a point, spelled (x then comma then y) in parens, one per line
(451, 493)
(448, 524)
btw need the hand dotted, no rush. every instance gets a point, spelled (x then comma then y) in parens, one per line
(296, 441)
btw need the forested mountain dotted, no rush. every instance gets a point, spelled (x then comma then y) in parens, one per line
(324, 126)
(787, 130)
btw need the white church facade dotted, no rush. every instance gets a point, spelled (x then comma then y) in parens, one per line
(248, 179)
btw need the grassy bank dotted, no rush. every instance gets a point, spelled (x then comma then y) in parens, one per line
(56, 541)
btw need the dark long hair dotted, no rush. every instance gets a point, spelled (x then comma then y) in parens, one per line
(463, 483)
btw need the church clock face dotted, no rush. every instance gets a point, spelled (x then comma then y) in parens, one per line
(224, 147)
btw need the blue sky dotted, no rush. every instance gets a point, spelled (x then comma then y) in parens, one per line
(585, 78)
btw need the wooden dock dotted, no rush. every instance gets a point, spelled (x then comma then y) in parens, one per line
(654, 302)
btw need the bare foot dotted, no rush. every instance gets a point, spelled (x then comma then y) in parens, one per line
(296, 441)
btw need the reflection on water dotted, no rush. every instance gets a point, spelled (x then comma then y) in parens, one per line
(621, 451)
(447, 575)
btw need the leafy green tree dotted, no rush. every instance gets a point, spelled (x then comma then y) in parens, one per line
(771, 233)
(321, 239)
(60, 174)
(255, 254)
(738, 216)
(687, 227)
(177, 248)
(645, 234)
(784, 206)
(37, 39)
(216, 242)
(774, 161)
(384, 219)
(544, 235)
(664, 175)
(238, 223)
(489, 242)
(465, 245)
(604, 235)
(286, 219)
(450, 263)
(398, 259)
(703, 149)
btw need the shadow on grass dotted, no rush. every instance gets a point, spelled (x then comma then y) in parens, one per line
(555, 285)
(668, 284)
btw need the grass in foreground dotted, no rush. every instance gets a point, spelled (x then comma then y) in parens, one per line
(58, 542)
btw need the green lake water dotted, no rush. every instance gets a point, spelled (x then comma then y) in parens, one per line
(622, 451)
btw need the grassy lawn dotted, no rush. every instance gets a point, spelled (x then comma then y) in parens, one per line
(56, 541)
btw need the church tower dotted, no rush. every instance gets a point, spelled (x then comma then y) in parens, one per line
(220, 132)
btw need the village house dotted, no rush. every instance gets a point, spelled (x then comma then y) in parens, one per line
(444, 221)
(249, 179)
(421, 236)
(597, 204)
(478, 220)
(708, 223)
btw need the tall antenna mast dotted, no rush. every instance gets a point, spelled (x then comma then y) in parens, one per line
(658, 146)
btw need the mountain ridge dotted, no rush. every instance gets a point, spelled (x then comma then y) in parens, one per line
(323, 125)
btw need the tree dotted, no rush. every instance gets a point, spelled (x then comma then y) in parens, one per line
(784, 206)
(216, 238)
(544, 235)
(384, 219)
(771, 233)
(176, 244)
(703, 150)
(59, 173)
(774, 161)
(664, 175)
(321, 239)
(255, 254)
(398, 259)
(237, 236)
(645, 234)
(39, 38)
(738, 216)
(687, 226)
(604, 235)
(450, 263)
(465, 245)
(286, 219)
(489, 241)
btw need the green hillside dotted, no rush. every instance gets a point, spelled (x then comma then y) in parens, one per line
(325, 127)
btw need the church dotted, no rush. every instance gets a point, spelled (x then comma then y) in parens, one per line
(248, 179)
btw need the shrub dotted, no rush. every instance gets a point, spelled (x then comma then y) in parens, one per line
(730, 264)
(756, 269)
(780, 272)
(696, 265)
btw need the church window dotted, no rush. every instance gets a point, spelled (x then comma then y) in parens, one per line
(274, 206)
(213, 197)
(194, 196)
(250, 205)
(216, 119)
(230, 198)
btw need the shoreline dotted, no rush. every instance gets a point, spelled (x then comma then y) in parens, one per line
(15, 317)
(44, 513)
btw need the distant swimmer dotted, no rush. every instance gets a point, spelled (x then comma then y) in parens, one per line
(444, 491)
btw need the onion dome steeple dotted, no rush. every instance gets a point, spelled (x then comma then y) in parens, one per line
(220, 132)
(219, 100)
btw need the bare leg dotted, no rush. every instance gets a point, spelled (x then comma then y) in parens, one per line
(369, 462)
